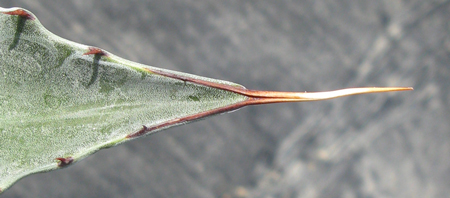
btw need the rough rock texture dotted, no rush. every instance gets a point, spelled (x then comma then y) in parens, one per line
(379, 145)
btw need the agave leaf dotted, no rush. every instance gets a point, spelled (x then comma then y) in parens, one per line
(61, 101)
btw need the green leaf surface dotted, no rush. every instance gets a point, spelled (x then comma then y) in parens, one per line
(61, 101)
(56, 102)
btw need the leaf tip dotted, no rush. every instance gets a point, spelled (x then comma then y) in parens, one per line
(63, 162)
(22, 13)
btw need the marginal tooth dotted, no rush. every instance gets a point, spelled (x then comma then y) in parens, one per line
(64, 161)
(21, 12)
(96, 51)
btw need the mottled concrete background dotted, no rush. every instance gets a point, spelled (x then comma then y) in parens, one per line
(378, 145)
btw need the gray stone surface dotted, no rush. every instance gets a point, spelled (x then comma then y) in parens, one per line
(379, 145)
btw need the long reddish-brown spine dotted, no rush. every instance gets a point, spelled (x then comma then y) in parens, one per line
(254, 97)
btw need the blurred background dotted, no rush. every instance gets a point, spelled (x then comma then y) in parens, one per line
(376, 145)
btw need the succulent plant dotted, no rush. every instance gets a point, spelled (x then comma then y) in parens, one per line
(61, 101)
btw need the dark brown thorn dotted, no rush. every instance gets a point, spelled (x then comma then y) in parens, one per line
(20, 12)
(63, 162)
(143, 130)
(96, 51)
